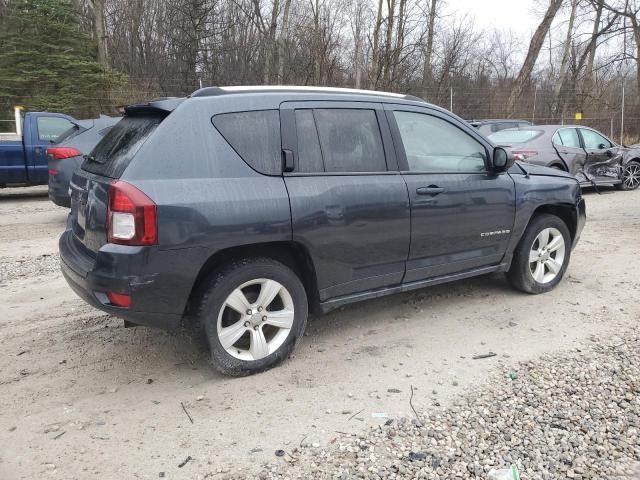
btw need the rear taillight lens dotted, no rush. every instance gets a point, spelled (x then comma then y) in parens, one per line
(131, 216)
(523, 154)
(60, 153)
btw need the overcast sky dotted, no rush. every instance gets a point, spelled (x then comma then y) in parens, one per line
(505, 14)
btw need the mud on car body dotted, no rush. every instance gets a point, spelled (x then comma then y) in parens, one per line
(238, 210)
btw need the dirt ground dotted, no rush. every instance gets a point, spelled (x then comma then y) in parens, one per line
(83, 397)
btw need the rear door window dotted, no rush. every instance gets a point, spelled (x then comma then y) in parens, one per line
(350, 140)
(114, 152)
(255, 136)
(567, 137)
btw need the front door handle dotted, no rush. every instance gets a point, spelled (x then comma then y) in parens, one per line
(431, 190)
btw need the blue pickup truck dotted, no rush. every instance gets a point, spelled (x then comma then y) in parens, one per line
(23, 154)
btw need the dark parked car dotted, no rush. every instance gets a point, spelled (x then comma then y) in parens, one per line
(584, 152)
(66, 156)
(487, 127)
(239, 209)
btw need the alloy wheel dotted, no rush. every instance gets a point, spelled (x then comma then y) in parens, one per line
(546, 256)
(255, 319)
(631, 176)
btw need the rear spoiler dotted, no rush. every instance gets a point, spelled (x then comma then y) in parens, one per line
(162, 106)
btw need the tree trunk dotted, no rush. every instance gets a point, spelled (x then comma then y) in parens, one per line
(271, 42)
(532, 55)
(399, 46)
(316, 44)
(358, 58)
(636, 36)
(391, 10)
(375, 54)
(427, 72)
(587, 83)
(99, 30)
(282, 41)
(564, 64)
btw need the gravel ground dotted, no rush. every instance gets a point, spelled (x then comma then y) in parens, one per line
(83, 397)
(574, 415)
(28, 267)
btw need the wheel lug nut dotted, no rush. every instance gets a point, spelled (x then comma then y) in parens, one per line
(255, 328)
(264, 319)
(246, 324)
(249, 312)
(259, 309)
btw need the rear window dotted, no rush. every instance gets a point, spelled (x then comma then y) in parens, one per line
(255, 136)
(115, 151)
(350, 140)
(514, 136)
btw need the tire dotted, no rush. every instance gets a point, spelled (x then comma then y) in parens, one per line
(630, 176)
(527, 276)
(260, 345)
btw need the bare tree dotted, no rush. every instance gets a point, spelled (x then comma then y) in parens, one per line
(427, 73)
(532, 54)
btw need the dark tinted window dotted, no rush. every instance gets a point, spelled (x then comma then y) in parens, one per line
(309, 154)
(255, 136)
(434, 145)
(593, 140)
(350, 140)
(567, 137)
(114, 152)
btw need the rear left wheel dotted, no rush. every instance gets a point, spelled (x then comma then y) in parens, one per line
(253, 311)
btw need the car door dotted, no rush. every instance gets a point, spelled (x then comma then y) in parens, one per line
(49, 127)
(566, 142)
(604, 158)
(349, 204)
(461, 214)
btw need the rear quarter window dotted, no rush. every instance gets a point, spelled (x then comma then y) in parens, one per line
(255, 136)
(114, 152)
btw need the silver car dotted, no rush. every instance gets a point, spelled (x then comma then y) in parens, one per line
(584, 152)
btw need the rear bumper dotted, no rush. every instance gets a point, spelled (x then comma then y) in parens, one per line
(157, 299)
(581, 219)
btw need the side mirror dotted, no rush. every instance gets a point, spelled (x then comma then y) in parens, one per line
(602, 146)
(501, 160)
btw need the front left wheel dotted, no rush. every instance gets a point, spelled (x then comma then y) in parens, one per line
(542, 256)
(254, 312)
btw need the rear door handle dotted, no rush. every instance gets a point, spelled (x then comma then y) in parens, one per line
(431, 190)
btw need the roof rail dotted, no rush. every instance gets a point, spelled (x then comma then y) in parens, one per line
(215, 91)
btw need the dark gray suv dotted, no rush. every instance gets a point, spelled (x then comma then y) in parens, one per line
(239, 209)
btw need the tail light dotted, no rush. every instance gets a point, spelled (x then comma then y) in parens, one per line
(523, 154)
(131, 216)
(60, 153)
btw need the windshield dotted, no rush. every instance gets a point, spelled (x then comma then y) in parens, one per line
(514, 136)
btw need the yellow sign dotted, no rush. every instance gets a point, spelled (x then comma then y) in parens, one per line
(578, 115)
